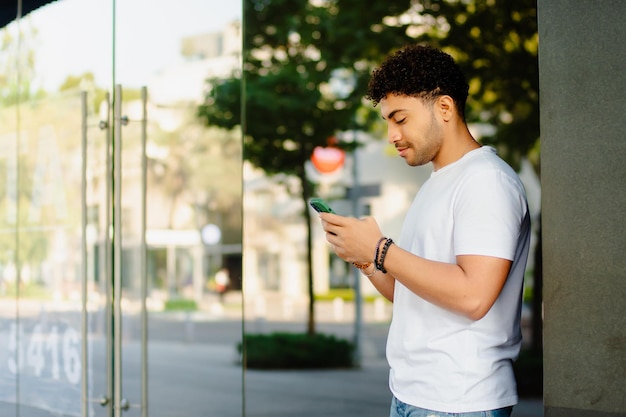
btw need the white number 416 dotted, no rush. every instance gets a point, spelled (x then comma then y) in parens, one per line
(45, 352)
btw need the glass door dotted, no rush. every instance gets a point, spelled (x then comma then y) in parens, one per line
(53, 325)
(166, 52)
(120, 209)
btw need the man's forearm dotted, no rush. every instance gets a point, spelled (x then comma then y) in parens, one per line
(384, 283)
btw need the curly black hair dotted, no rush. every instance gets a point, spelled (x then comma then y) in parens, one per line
(419, 71)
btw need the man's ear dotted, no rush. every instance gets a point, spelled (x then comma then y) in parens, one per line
(446, 107)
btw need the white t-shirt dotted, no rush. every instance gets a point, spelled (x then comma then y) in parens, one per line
(441, 360)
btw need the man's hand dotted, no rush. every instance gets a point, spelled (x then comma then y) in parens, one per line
(353, 240)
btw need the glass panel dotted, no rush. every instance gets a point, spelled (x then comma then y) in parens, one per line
(49, 253)
(47, 269)
(42, 211)
(194, 182)
(9, 352)
(345, 304)
(193, 185)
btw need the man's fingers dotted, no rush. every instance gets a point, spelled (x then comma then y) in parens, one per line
(332, 218)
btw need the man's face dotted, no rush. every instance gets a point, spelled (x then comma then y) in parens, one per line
(412, 128)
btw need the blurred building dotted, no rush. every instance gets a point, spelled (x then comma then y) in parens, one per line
(206, 56)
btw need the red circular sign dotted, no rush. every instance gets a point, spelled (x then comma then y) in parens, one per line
(327, 160)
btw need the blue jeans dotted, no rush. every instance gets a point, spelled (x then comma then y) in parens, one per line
(400, 409)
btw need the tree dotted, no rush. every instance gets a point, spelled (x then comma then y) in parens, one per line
(293, 49)
(192, 158)
(18, 46)
(496, 44)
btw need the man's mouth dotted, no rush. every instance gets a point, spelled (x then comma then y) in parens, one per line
(402, 150)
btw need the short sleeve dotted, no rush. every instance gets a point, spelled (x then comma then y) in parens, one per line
(489, 209)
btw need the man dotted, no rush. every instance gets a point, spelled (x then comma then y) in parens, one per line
(455, 275)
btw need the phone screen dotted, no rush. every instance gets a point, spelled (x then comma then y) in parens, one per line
(320, 205)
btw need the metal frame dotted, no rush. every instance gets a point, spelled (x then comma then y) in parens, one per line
(144, 250)
(117, 252)
(113, 257)
(83, 196)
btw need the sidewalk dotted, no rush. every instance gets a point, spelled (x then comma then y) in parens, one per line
(361, 392)
(325, 393)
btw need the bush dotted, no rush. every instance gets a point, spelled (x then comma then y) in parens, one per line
(296, 351)
(27, 290)
(180, 304)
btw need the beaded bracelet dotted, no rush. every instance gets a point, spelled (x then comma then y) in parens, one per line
(363, 267)
(378, 249)
(383, 253)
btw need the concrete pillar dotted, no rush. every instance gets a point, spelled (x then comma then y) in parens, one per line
(582, 69)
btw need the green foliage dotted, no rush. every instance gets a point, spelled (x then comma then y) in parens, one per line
(496, 44)
(180, 304)
(296, 351)
(528, 293)
(202, 167)
(289, 108)
(17, 56)
(74, 82)
(27, 290)
(296, 55)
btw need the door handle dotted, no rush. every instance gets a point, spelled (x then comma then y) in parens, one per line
(103, 400)
(124, 404)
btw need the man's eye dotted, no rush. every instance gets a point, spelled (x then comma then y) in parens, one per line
(399, 122)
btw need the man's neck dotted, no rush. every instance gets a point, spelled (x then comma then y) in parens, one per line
(457, 143)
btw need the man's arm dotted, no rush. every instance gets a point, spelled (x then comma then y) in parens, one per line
(384, 283)
(469, 287)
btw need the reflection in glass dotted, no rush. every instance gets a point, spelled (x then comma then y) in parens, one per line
(9, 330)
(192, 177)
(45, 277)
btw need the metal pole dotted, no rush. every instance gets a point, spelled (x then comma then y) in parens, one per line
(143, 254)
(83, 247)
(117, 255)
(358, 302)
(108, 256)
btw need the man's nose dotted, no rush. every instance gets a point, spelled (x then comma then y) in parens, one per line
(393, 134)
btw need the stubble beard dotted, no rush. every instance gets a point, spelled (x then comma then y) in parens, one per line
(415, 158)
(431, 143)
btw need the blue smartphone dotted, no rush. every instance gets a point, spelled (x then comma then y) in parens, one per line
(320, 205)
